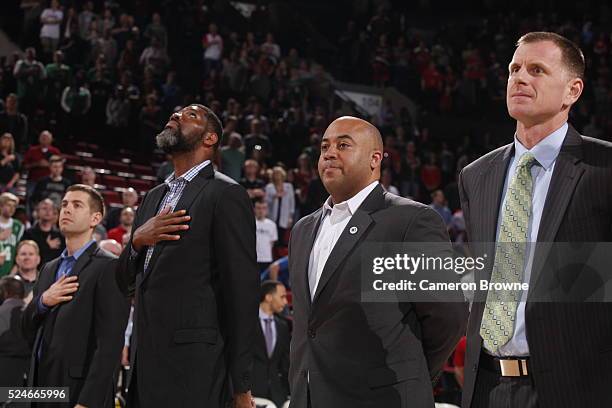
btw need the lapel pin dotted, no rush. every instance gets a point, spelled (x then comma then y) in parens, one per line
(353, 230)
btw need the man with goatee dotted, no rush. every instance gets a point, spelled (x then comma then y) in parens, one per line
(192, 268)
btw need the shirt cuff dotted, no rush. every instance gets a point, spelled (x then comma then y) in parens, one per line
(133, 252)
(41, 307)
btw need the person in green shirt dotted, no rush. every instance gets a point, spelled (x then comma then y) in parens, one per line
(11, 231)
(59, 76)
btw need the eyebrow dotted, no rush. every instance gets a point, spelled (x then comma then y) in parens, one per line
(74, 201)
(538, 63)
(339, 137)
(193, 109)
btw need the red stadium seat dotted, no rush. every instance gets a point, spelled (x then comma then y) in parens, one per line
(111, 197)
(280, 252)
(72, 159)
(94, 162)
(139, 184)
(115, 181)
(141, 169)
(117, 166)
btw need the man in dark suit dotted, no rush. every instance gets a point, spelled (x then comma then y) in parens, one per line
(192, 267)
(77, 314)
(550, 185)
(348, 353)
(271, 351)
(14, 348)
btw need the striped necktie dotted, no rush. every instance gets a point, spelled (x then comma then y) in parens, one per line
(497, 326)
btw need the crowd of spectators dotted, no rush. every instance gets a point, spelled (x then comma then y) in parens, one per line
(107, 75)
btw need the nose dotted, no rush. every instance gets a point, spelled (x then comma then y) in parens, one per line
(518, 77)
(331, 153)
(175, 116)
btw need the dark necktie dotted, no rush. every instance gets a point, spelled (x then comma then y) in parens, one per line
(269, 336)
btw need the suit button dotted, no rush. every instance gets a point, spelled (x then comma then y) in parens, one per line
(475, 368)
(311, 333)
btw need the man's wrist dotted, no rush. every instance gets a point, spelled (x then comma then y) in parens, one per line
(41, 306)
(135, 244)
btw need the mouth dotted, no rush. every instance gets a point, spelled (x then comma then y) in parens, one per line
(331, 169)
(65, 220)
(520, 95)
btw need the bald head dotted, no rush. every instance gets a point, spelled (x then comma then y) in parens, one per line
(112, 246)
(359, 128)
(351, 153)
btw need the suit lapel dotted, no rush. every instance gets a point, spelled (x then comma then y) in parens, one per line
(487, 209)
(84, 260)
(352, 234)
(47, 278)
(260, 340)
(277, 345)
(191, 191)
(566, 174)
(151, 205)
(493, 183)
(309, 231)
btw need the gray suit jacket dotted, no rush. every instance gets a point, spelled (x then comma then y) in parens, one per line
(351, 354)
(570, 342)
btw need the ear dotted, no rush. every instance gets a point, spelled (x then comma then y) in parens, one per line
(574, 90)
(96, 218)
(210, 139)
(376, 159)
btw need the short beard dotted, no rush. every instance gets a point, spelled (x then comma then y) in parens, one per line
(172, 140)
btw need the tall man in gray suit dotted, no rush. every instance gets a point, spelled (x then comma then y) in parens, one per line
(346, 353)
(549, 185)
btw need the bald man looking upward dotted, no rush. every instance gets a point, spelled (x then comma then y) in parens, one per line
(348, 353)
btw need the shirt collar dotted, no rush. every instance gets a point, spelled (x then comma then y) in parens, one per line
(79, 251)
(263, 315)
(354, 202)
(189, 174)
(547, 150)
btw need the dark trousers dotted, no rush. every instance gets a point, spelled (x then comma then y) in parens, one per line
(131, 399)
(494, 391)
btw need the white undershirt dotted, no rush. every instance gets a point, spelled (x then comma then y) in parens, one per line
(330, 230)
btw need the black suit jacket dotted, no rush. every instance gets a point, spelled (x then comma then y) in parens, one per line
(196, 306)
(367, 354)
(82, 338)
(270, 374)
(14, 348)
(570, 343)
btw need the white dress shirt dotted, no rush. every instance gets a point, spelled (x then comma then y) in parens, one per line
(335, 219)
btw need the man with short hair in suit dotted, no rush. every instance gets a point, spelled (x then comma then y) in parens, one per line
(549, 185)
(77, 314)
(346, 353)
(271, 350)
(192, 267)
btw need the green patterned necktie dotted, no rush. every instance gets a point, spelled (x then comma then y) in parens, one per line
(497, 325)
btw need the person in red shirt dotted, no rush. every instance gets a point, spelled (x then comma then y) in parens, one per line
(459, 361)
(125, 226)
(431, 175)
(36, 158)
